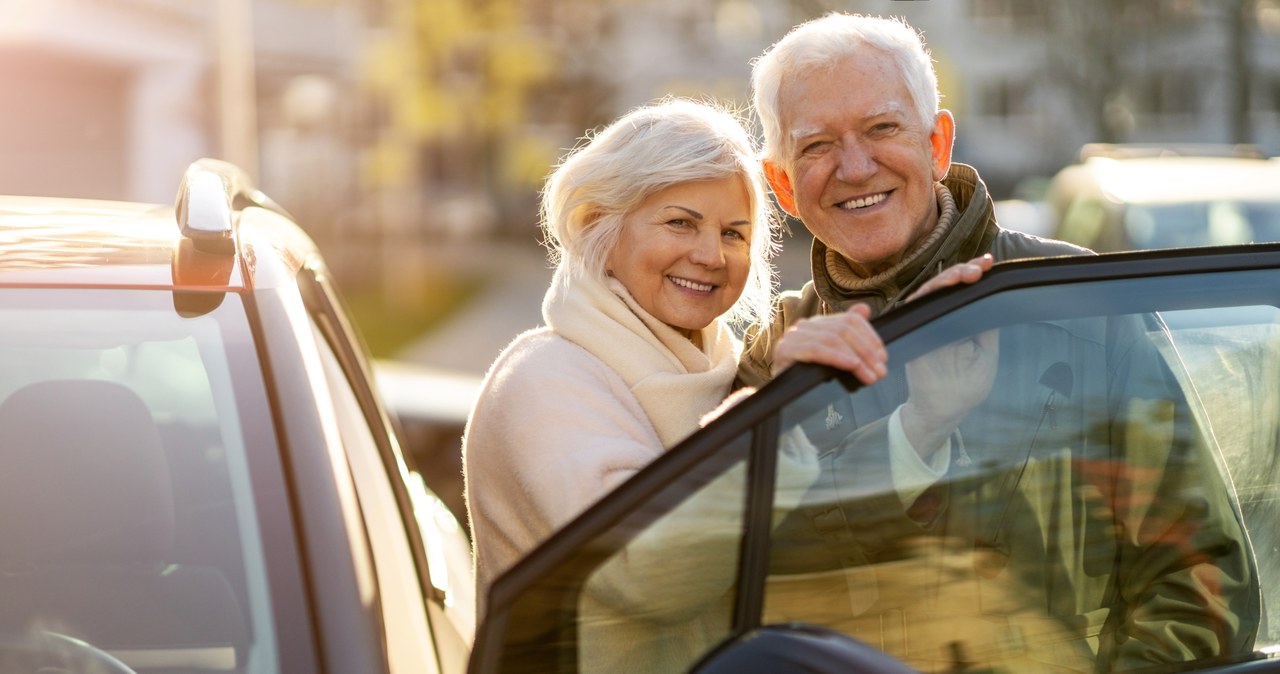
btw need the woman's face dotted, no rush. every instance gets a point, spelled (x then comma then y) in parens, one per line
(684, 252)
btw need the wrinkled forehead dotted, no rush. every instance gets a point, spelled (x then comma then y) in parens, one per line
(837, 94)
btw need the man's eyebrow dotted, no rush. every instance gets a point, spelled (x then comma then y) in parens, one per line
(889, 108)
(797, 134)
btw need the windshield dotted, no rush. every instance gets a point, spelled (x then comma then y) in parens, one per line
(129, 516)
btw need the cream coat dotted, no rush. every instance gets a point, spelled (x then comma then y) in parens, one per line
(571, 410)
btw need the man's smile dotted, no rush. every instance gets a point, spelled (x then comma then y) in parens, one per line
(863, 202)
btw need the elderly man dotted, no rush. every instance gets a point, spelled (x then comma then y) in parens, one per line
(858, 149)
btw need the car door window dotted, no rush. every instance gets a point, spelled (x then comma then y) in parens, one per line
(1086, 498)
(661, 600)
(1108, 503)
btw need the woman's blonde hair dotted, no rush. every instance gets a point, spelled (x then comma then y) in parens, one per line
(650, 148)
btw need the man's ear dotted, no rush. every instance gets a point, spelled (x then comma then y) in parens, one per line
(942, 139)
(780, 182)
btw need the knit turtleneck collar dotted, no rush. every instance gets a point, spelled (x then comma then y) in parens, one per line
(965, 229)
(843, 276)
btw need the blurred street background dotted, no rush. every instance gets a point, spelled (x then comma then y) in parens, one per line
(410, 137)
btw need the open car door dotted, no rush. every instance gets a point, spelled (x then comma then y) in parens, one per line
(1108, 503)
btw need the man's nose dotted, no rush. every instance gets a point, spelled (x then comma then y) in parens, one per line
(856, 161)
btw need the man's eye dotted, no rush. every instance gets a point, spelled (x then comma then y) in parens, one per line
(815, 147)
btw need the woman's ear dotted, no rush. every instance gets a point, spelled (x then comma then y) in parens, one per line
(780, 182)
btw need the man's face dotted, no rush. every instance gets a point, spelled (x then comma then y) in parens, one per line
(857, 165)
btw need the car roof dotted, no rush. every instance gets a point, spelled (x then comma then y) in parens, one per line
(96, 243)
(1181, 179)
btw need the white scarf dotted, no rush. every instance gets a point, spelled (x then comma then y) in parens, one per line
(675, 381)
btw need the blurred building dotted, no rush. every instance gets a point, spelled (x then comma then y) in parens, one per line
(113, 98)
(102, 98)
(325, 101)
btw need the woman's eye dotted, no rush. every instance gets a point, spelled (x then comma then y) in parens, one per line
(679, 222)
(734, 234)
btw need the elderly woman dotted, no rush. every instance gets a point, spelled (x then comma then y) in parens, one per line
(661, 233)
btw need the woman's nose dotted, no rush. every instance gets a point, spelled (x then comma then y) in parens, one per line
(708, 250)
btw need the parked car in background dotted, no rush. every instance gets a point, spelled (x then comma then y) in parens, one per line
(196, 471)
(742, 548)
(1137, 197)
(1031, 216)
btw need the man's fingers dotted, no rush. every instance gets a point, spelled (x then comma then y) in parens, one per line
(846, 341)
(963, 272)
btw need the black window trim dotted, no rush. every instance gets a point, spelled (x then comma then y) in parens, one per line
(758, 413)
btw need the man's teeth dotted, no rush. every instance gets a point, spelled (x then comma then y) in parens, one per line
(692, 285)
(864, 202)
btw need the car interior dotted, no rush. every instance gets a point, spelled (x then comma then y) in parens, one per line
(127, 523)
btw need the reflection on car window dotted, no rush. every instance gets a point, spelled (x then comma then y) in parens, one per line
(1231, 364)
(666, 598)
(1084, 517)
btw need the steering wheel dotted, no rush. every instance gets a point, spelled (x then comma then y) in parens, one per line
(53, 653)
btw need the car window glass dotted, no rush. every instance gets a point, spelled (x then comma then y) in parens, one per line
(662, 600)
(143, 498)
(1091, 500)
(1230, 364)
(1108, 504)
(400, 592)
(653, 586)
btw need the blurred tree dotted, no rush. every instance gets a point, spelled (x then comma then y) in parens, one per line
(454, 80)
(1089, 42)
(481, 97)
(1098, 50)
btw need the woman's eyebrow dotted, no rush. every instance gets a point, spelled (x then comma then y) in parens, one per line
(690, 211)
